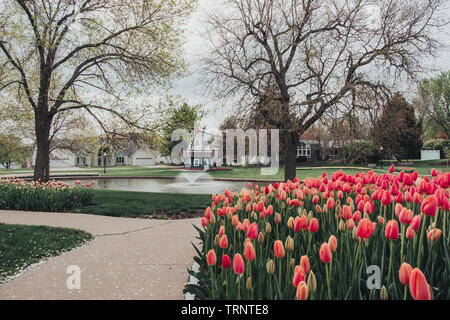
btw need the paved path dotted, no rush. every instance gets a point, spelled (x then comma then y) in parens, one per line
(128, 259)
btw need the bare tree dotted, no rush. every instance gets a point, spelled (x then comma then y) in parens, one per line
(91, 55)
(317, 54)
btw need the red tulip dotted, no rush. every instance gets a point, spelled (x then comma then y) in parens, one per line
(410, 233)
(392, 169)
(325, 253)
(249, 251)
(434, 234)
(238, 264)
(429, 206)
(253, 231)
(350, 224)
(314, 225)
(391, 230)
(304, 262)
(418, 286)
(332, 243)
(365, 228)
(224, 241)
(434, 172)
(226, 262)
(404, 273)
(386, 198)
(302, 291)
(211, 258)
(415, 223)
(299, 275)
(406, 216)
(347, 212)
(204, 222)
(278, 249)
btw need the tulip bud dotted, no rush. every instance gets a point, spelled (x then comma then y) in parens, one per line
(217, 240)
(268, 228)
(289, 244)
(310, 216)
(270, 266)
(354, 235)
(292, 262)
(383, 293)
(299, 211)
(341, 225)
(312, 282)
(290, 223)
(332, 243)
(261, 237)
(248, 285)
(212, 220)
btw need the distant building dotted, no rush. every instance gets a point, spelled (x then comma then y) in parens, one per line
(123, 153)
(199, 154)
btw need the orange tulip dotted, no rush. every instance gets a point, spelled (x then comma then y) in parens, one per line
(211, 258)
(278, 249)
(304, 262)
(332, 243)
(249, 252)
(325, 253)
(238, 264)
(405, 273)
(365, 228)
(302, 291)
(418, 286)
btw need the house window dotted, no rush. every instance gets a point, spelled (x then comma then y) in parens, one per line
(120, 158)
(196, 162)
(81, 161)
(304, 150)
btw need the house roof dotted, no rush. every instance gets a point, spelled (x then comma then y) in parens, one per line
(307, 135)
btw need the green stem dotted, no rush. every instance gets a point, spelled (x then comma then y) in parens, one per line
(403, 238)
(421, 239)
(390, 262)
(355, 262)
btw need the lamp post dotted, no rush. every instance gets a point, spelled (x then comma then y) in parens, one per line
(381, 158)
(104, 162)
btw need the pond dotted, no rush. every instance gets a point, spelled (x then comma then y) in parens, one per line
(186, 182)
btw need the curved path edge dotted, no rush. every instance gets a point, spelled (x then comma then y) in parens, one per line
(127, 259)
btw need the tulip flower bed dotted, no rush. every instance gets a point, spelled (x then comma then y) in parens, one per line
(17, 194)
(328, 238)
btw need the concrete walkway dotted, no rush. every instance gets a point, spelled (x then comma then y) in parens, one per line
(128, 259)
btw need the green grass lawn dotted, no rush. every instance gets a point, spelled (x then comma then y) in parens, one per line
(127, 204)
(22, 246)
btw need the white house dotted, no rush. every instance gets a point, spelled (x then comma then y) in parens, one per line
(199, 153)
(78, 156)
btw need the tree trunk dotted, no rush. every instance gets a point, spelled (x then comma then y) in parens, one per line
(42, 165)
(290, 155)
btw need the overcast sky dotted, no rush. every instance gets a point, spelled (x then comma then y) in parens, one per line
(190, 88)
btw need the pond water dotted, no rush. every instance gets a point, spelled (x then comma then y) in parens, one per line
(186, 182)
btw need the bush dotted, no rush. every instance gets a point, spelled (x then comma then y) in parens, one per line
(442, 145)
(361, 152)
(302, 159)
(18, 194)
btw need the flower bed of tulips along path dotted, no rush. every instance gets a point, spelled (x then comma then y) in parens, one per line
(54, 196)
(315, 239)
